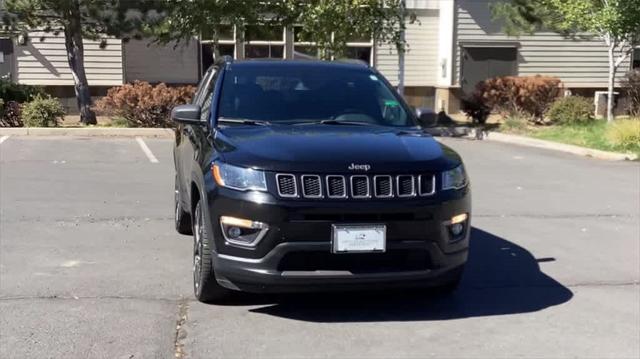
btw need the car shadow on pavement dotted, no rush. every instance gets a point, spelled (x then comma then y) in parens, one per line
(500, 278)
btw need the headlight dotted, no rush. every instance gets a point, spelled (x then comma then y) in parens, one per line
(454, 179)
(238, 178)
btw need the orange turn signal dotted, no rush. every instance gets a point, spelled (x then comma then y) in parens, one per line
(215, 170)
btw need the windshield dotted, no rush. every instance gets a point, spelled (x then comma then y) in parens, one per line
(306, 94)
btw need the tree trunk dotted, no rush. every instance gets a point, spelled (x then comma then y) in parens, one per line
(612, 78)
(75, 56)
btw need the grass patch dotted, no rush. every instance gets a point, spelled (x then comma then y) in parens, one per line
(591, 135)
(117, 121)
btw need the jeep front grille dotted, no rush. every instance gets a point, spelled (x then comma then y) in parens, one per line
(360, 187)
(406, 186)
(287, 185)
(336, 187)
(383, 186)
(355, 186)
(311, 186)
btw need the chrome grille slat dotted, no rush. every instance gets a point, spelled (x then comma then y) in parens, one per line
(406, 186)
(426, 185)
(360, 186)
(311, 186)
(357, 186)
(383, 186)
(286, 185)
(336, 186)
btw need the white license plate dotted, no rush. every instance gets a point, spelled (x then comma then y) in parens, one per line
(359, 238)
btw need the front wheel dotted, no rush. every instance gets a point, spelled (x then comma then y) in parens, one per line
(205, 286)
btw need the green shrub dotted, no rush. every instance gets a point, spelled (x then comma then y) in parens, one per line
(119, 121)
(43, 111)
(571, 110)
(624, 133)
(144, 105)
(10, 91)
(632, 85)
(515, 122)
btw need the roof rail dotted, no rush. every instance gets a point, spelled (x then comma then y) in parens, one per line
(354, 62)
(226, 59)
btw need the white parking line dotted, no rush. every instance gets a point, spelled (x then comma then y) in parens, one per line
(3, 138)
(146, 150)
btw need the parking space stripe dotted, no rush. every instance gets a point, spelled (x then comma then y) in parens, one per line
(3, 138)
(146, 150)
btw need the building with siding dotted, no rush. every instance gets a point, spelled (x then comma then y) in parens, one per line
(452, 45)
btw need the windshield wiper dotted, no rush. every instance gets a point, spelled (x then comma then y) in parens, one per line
(334, 122)
(244, 121)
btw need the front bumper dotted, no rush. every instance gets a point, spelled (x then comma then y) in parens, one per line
(295, 255)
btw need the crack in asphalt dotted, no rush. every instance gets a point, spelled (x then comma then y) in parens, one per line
(181, 333)
(98, 297)
(558, 216)
(86, 219)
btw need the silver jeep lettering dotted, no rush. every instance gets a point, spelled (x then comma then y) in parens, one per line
(355, 167)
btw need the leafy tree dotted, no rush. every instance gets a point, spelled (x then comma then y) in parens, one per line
(78, 20)
(333, 23)
(328, 23)
(615, 22)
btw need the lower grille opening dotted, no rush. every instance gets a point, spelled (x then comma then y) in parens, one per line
(360, 217)
(399, 260)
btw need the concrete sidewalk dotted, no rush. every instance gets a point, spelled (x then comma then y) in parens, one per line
(556, 146)
(88, 132)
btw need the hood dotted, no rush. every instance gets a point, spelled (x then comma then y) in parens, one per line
(333, 149)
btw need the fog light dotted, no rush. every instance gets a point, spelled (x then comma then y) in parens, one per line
(242, 232)
(457, 229)
(234, 232)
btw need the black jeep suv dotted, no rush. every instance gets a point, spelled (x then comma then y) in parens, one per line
(297, 176)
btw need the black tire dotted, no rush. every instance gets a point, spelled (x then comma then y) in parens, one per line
(182, 218)
(205, 286)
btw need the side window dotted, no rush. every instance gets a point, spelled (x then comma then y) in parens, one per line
(205, 110)
(207, 92)
(197, 97)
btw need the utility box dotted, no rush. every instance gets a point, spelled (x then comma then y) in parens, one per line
(600, 102)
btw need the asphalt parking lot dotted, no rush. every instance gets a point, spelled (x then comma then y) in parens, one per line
(90, 266)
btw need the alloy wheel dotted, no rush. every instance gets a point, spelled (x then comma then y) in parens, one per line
(197, 248)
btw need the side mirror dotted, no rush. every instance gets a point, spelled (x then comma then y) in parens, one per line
(187, 114)
(426, 116)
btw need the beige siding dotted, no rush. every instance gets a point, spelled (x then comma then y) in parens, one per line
(578, 63)
(421, 60)
(153, 63)
(43, 61)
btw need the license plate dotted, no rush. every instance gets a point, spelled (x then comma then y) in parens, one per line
(359, 238)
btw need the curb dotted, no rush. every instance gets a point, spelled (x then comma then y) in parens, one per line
(89, 132)
(561, 147)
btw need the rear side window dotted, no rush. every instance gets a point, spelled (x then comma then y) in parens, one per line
(292, 94)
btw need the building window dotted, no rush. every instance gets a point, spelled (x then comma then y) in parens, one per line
(357, 48)
(226, 45)
(360, 52)
(264, 42)
(635, 59)
(303, 47)
(360, 48)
